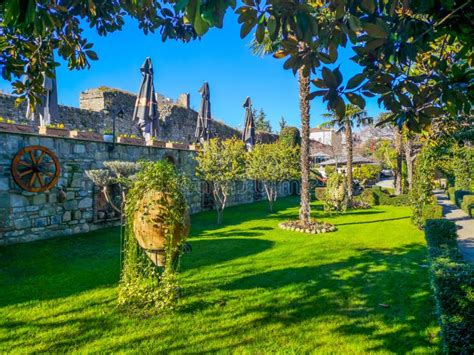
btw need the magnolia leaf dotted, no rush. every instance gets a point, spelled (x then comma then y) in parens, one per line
(375, 31)
(355, 81)
(317, 93)
(368, 6)
(329, 78)
(356, 99)
(432, 111)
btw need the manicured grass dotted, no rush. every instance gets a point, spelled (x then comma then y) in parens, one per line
(248, 287)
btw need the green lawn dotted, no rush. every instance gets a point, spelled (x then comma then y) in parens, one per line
(248, 287)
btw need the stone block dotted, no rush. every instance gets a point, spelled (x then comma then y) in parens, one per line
(49, 211)
(4, 184)
(4, 200)
(88, 215)
(18, 200)
(39, 199)
(70, 195)
(67, 216)
(15, 233)
(79, 149)
(32, 208)
(76, 215)
(52, 197)
(56, 219)
(22, 223)
(85, 203)
(70, 205)
(41, 222)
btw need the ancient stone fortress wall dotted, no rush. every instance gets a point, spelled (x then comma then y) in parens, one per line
(99, 106)
(27, 216)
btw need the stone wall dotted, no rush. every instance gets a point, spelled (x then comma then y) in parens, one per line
(26, 216)
(99, 106)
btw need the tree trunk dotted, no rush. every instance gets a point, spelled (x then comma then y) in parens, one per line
(350, 157)
(269, 189)
(220, 199)
(305, 208)
(398, 169)
(409, 160)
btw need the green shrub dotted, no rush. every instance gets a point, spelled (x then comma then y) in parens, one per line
(468, 204)
(451, 191)
(329, 170)
(452, 281)
(335, 194)
(369, 196)
(432, 212)
(459, 195)
(386, 199)
(319, 193)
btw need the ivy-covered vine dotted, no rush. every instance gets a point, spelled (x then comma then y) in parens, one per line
(421, 193)
(144, 287)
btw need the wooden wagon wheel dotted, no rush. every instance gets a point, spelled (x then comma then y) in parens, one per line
(36, 169)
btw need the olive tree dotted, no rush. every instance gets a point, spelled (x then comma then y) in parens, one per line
(272, 164)
(221, 163)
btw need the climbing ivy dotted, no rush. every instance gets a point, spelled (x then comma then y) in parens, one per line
(143, 286)
(421, 193)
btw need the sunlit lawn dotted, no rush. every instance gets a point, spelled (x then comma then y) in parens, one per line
(248, 287)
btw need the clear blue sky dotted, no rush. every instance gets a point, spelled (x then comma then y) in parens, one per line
(220, 57)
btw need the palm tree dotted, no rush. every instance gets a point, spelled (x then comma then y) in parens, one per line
(266, 47)
(354, 116)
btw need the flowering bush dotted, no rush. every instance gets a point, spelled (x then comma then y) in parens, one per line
(335, 197)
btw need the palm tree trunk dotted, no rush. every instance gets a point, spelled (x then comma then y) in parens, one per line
(305, 209)
(398, 169)
(348, 131)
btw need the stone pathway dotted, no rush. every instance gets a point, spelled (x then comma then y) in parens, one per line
(464, 224)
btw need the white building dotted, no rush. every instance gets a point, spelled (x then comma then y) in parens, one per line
(327, 136)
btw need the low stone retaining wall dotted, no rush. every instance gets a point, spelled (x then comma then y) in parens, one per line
(27, 216)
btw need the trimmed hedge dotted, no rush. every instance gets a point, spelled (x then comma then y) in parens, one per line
(451, 191)
(369, 196)
(468, 204)
(432, 212)
(376, 196)
(386, 199)
(452, 281)
(459, 195)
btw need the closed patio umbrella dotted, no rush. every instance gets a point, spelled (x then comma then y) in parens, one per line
(248, 135)
(145, 113)
(47, 107)
(203, 126)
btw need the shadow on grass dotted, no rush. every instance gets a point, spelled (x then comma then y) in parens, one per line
(389, 286)
(59, 267)
(213, 251)
(375, 221)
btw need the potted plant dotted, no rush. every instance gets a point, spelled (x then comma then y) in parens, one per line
(177, 145)
(89, 135)
(155, 142)
(130, 139)
(13, 127)
(57, 130)
(108, 136)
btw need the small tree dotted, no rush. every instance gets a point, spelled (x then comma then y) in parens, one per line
(271, 164)
(261, 122)
(221, 163)
(283, 124)
(335, 196)
(290, 136)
